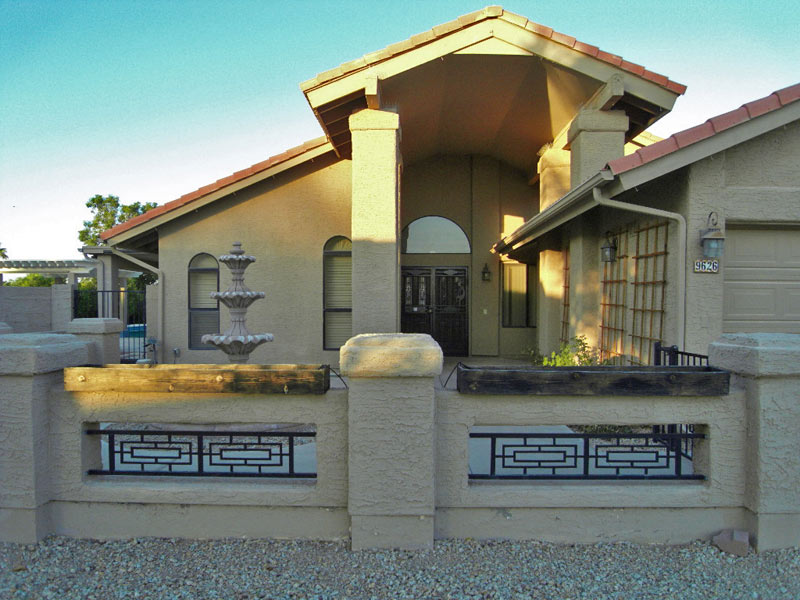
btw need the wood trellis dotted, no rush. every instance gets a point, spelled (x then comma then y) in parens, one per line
(634, 294)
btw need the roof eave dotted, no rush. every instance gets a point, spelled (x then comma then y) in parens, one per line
(120, 234)
(574, 203)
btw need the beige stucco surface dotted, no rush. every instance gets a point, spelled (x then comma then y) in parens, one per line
(752, 184)
(284, 222)
(26, 308)
(375, 211)
(485, 197)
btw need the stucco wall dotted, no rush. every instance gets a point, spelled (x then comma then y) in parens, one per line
(296, 509)
(26, 309)
(753, 183)
(482, 195)
(284, 222)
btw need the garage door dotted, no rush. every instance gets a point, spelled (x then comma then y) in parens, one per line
(762, 280)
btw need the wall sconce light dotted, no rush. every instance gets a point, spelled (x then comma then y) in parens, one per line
(608, 251)
(486, 274)
(711, 239)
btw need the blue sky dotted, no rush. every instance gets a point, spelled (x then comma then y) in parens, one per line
(149, 100)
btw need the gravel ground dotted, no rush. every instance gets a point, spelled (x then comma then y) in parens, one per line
(242, 569)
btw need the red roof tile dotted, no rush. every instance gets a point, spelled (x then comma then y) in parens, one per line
(711, 127)
(213, 187)
(490, 12)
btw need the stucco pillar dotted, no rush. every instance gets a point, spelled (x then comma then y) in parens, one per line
(549, 305)
(586, 281)
(390, 439)
(108, 280)
(554, 176)
(60, 306)
(103, 337)
(767, 365)
(375, 213)
(30, 365)
(595, 137)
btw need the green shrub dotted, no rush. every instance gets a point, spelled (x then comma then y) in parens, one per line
(575, 353)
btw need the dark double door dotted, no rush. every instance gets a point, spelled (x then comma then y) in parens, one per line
(434, 301)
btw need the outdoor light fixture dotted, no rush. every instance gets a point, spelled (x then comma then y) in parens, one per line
(486, 274)
(711, 239)
(608, 251)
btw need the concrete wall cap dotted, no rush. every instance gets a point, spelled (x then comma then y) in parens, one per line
(757, 354)
(33, 353)
(597, 120)
(95, 326)
(369, 119)
(391, 355)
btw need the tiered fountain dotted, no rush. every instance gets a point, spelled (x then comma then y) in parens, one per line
(237, 342)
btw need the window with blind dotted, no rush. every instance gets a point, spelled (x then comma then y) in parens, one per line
(519, 295)
(203, 310)
(337, 271)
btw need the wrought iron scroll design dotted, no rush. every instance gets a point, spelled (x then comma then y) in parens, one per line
(628, 456)
(201, 453)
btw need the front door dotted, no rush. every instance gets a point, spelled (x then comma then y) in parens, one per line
(434, 301)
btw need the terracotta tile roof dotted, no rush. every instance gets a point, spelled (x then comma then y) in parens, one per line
(213, 187)
(490, 12)
(711, 127)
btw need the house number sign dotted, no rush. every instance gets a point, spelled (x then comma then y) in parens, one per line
(706, 265)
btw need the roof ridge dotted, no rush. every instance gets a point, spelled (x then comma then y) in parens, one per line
(708, 128)
(489, 12)
(215, 186)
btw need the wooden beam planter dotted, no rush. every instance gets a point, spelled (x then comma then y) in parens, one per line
(594, 381)
(229, 378)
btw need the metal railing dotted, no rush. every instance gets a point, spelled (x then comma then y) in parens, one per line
(126, 305)
(672, 357)
(204, 453)
(589, 456)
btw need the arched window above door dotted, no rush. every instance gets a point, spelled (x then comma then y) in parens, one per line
(434, 235)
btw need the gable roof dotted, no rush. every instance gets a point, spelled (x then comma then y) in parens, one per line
(248, 176)
(711, 127)
(574, 70)
(490, 12)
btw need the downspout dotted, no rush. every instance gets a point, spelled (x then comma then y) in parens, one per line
(601, 200)
(160, 275)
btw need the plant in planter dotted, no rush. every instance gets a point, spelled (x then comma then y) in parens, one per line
(575, 353)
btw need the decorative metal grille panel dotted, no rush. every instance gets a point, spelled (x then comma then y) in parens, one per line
(205, 453)
(657, 455)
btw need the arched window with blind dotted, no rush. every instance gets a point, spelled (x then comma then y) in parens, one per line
(203, 310)
(337, 292)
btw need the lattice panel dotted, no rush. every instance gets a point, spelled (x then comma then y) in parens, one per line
(649, 290)
(565, 301)
(614, 303)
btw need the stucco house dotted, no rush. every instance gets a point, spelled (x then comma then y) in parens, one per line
(464, 186)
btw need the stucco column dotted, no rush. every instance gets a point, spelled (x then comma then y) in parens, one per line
(102, 334)
(60, 306)
(767, 365)
(107, 280)
(554, 175)
(390, 439)
(595, 137)
(30, 365)
(375, 216)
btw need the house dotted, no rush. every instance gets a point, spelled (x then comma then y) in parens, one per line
(457, 192)
(734, 179)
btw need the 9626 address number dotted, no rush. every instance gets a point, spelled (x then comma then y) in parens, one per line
(705, 265)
